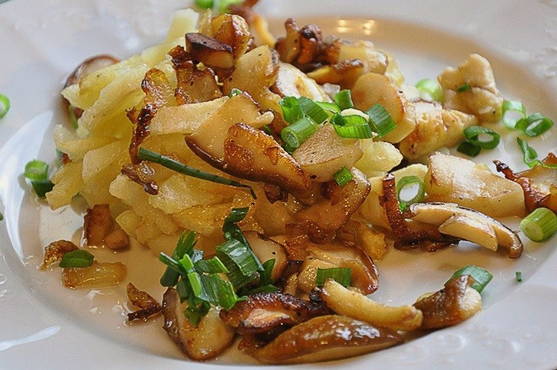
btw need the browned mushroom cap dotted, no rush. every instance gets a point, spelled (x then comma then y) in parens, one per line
(209, 51)
(456, 302)
(326, 338)
(264, 312)
(147, 304)
(55, 251)
(209, 339)
(289, 46)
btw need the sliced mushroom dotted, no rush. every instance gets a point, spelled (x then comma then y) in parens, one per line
(325, 153)
(289, 46)
(209, 51)
(357, 306)
(468, 224)
(325, 338)
(98, 275)
(209, 339)
(456, 302)
(293, 82)
(325, 217)
(148, 306)
(232, 30)
(267, 249)
(264, 312)
(97, 224)
(55, 251)
(337, 73)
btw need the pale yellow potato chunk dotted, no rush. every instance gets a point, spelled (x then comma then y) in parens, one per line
(378, 156)
(67, 183)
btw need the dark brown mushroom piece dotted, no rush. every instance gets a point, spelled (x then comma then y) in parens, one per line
(209, 51)
(148, 306)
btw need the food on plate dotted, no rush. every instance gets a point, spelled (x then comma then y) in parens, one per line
(271, 175)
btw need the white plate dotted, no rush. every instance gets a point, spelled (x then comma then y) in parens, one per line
(46, 326)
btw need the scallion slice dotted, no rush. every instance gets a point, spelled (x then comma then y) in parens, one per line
(481, 276)
(328, 107)
(534, 125)
(172, 263)
(482, 137)
(211, 266)
(187, 263)
(147, 155)
(240, 262)
(342, 275)
(469, 149)
(4, 105)
(380, 120)
(313, 110)
(77, 258)
(219, 292)
(343, 177)
(464, 87)
(195, 312)
(183, 289)
(295, 134)
(204, 4)
(185, 245)
(410, 190)
(42, 187)
(223, 5)
(513, 111)
(234, 91)
(539, 225)
(530, 156)
(518, 276)
(291, 109)
(344, 99)
(36, 170)
(430, 89)
(352, 126)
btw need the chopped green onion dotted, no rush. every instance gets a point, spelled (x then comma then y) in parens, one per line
(223, 5)
(349, 120)
(518, 276)
(352, 126)
(410, 190)
(329, 107)
(42, 187)
(1, 217)
(4, 105)
(291, 109)
(513, 111)
(171, 263)
(183, 290)
(36, 170)
(194, 313)
(204, 4)
(72, 117)
(268, 130)
(268, 288)
(530, 156)
(211, 266)
(482, 137)
(147, 155)
(430, 89)
(464, 87)
(229, 227)
(539, 225)
(266, 277)
(313, 110)
(481, 276)
(234, 91)
(240, 261)
(343, 177)
(344, 99)
(380, 120)
(295, 134)
(77, 258)
(534, 125)
(342, 275)
(469, 149)
(187, 263)
(185, 245)
(219, 292)
(197, 286)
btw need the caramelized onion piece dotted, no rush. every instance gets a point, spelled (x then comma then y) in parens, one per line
(325, 338)
(142, 174)
(209, 51)
(264, 312)
(147, 304)
(456, 302)
(98, 275)
(97, 224)
(55, 251)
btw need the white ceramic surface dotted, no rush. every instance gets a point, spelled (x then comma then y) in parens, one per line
(43, 325)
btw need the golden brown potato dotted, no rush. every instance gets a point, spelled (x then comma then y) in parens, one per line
(97, 224)
(357, 306)
(325, 338)
(325, 153)
(461, 181)
(293, 82)
(98, 275)
(117, 240)
(232, 30)
(378, 157)
(372, 242)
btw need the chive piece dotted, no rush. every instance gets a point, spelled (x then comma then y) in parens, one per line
(430, 89)
(229, 227)
(481, 276)
(291, 109)
(187, 263)
(204, 4)
(72, 117)
(344, 99)
(469, 149)
(194, 313)
(343, 176)
(266, 277)
(295, 134)
(211, 266)
(410, 190)
(147, 155)
(184, 246)
(171, 263)
(241, 255)
(77, 258)
(313, 110)
(518, 276)
(183, 290)
(268, 130)
(36, 170)
(380, 120)
(530, 156)
(342, 275)
(359, 131)
(223, 5)
(482, 137)
(539, 225)
(332, 108)
(534, 125)
(348, 120)
(512, 111)
(464, 87)
(219, 292)
(4, 105)
(234, 91)
(42, 187)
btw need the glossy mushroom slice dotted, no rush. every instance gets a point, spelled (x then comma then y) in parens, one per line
(209, 339)
(264, 312)
(468, 224)
(456, 302)
(325, 338)
(209, 51)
